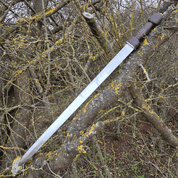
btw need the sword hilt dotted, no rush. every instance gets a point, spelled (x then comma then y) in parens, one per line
(153, 21)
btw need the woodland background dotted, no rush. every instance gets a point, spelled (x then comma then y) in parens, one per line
(50, 51)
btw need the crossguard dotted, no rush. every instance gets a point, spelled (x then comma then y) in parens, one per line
(153, 21)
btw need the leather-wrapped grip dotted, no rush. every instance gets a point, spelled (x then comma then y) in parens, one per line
(153, 21)
(144, 31)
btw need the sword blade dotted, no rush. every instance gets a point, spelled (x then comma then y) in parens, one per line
(95, 83)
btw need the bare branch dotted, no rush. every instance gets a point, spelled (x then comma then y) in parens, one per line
(97, 32)
(152, 117)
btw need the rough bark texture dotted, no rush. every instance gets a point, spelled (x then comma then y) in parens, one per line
(151, 116)
(63, 157)
(97, 32)
(84, 125)
(86, 116)
(111, 94)
(37, 17)
(17, 121)
(37, 6)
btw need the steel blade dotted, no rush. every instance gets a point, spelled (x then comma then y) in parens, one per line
(95, 83)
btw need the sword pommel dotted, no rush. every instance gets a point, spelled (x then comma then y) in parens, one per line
(153, 21)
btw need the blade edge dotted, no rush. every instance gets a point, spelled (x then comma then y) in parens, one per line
(95, 83)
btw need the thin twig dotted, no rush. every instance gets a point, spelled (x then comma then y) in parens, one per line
(48, 48)
(144, 70)
(107, 171)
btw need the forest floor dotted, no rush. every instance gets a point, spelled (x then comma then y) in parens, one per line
(136, 151)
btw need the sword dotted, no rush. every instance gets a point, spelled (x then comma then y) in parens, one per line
(132, 43)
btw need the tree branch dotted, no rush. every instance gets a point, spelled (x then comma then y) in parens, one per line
(151, 116)
(97, 32)
(73, 144)
(37, 17)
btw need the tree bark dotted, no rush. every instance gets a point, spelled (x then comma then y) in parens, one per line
(73, 143)
(97, 32)
(18, 121)
(83, 126)
(151, 116)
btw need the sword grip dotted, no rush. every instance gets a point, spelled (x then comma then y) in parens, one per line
(153, 21)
